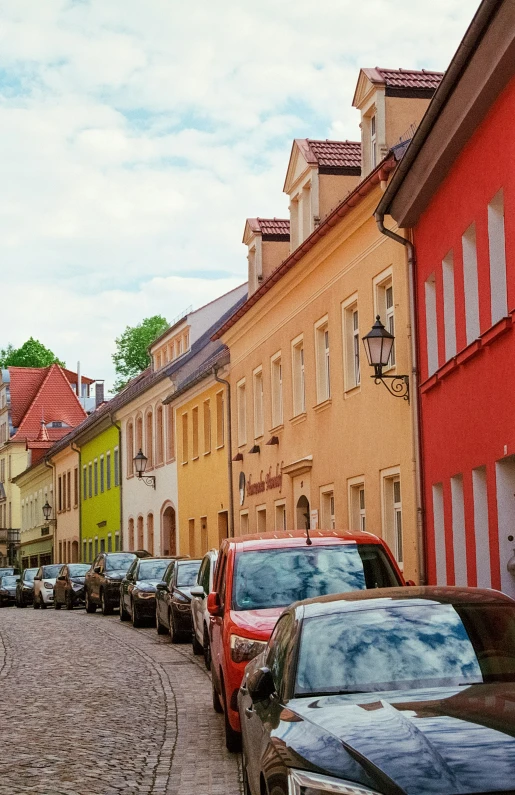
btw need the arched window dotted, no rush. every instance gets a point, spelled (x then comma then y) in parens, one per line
(150, 533)
(140, 533)
(131, 535)
(130, 448)
(139, 434)
(149, 439)
(159, 435)
(170, 439)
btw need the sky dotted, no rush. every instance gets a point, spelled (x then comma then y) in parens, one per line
(136, 136)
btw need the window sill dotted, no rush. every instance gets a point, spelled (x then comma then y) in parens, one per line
(353, 390)
(298, 418)
(184, 463)
(325, 404)
(276, 428)
(500, 328)
(207, 452)
(220, 446)
(195, 458)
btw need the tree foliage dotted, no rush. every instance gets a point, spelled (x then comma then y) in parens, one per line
(131, 355)
(31, 354)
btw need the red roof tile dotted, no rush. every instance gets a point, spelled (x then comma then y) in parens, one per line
(335, 154)
(405, 78)
(23, 388)
(270, 226)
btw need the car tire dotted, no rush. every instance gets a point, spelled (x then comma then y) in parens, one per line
(57, 605)
(207, 649)
(20, 604)
(104, 604)
(137, 621)
(124, 615)
(90, 607)
(217, 704)
(42, 604)
(232, 738)
(197, 647)
(175, 636)
(35, 604)
(161, 630)
(69, 602)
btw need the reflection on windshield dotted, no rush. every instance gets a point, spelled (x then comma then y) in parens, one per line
(78, 569)
(52, 571)
(119, 562)
(152, 569)
(187, 573)
(278, 577)
(404, 647)
(9, 579)
(29, 575)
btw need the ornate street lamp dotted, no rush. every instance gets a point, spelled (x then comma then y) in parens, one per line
(47, 511)
(140, 464)
(378, 347)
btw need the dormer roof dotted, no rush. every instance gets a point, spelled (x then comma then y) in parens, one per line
(329, 157)
(268, 228)
(397, 83)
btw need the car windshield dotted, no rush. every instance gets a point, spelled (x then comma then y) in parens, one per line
(278, 577)
(52, 571)
(187, 573)
(152, 569)
(406, 647)
(29, 574)
(9, 579)
(78, 569)
(8, 570)
(119, 562)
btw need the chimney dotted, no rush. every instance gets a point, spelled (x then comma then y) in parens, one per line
(99, 393)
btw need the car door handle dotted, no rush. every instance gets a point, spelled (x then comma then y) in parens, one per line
(249, 711)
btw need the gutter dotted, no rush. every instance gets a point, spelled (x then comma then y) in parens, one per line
(229, 448)
(416, 443)
(52, 467)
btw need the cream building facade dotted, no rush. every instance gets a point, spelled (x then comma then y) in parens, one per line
(35, 486)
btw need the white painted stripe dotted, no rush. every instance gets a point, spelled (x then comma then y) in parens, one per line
(458, 530)
(483, 566)
(439, 528)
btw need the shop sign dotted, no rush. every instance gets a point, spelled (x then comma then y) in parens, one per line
(269, 482)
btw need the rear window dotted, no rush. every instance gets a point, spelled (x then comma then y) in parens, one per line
(278, 577)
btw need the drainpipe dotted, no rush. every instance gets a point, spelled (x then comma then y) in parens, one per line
(413, 393)
(77, 450)
(117, 425)
(229, 449)
(54, 484)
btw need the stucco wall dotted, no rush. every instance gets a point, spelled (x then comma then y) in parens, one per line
(100, 513)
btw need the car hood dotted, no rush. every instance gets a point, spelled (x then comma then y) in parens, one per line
(9, 588)
(257, 622)
(424, 741)
(147, 585)
(28, 583)
(79, 580)
(116, 574)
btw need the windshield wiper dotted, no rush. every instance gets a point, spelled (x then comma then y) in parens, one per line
(321, 693)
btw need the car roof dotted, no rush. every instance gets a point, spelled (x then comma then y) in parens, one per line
(298, 538)
(373, 598)
(189, 560)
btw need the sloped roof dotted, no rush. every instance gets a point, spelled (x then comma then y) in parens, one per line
(270, 226)
(23, 388)
(409, 78)
(55, 401)
(331, 154)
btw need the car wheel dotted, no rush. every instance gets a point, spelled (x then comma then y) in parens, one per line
(217, 705)
(106, 607)
(207, 649)
(137, 621)
(124, 615)
(35, 604)
(174, 635)
(69, 601)
(161, 630)
(57, 605)
(90, 607)
(232, 738)
(42, 604)
(197, 647)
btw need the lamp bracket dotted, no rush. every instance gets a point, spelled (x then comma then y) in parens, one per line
(149, 480)
(398, 386)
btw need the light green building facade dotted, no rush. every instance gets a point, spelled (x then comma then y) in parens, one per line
(100, 521)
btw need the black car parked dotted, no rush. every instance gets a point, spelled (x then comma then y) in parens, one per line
(173, 599)
(385, 691)
(25, 588)
(138, 589)
(69, 586)
(102, 581)
(8, 589)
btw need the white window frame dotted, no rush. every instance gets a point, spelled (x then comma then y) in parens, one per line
(357, 512)
(382, 283)
(298, 375)
(260, 510)
(391, 511)
(241, 409)
(258, 398)
(470, 281)
(351, 344)
(327, 519)
(244, 522)
(497, 255)
(323, 359)
(280, 510)
(276, 380)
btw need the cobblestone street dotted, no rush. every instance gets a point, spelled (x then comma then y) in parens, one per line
(91, 706)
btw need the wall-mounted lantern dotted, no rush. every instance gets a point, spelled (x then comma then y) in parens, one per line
(378, 347)
(140, 464)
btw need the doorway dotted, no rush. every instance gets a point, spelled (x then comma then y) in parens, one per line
(505, 480)
(303, 513)
(169, 532)
(223, 526)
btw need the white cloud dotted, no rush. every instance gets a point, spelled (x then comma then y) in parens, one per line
(137, 137)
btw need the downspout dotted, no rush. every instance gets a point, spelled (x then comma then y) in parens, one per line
(54, 484)
(117, 425)
(77, 450)
(229, 450)
(413, 393)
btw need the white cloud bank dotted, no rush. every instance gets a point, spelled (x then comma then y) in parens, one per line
(136, 137)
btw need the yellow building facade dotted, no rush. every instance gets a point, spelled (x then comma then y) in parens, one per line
(65, 463)
(202, 464)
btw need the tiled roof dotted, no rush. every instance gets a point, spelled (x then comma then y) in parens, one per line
(54, 401)
(270, 226)
(336, 154)
(406, 78)
(23, 388)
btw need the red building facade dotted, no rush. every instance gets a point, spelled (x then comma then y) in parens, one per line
(457, 196)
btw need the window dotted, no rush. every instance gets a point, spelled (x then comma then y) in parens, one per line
(170, 437)
(244, 522)
(480, 497)
(84, 483)
(373, 139)
(241, 407)
(357, 506)
(91, 550)
(59, 494)
(159, 435)
(207, 426)
(90, 480)
(117, 542)
(139, 434)
(184, 438)
(203, 535)
(102, 545)
(191, 536)
(258, 403)
(449, 313)
(130, 449)
(84, 551)
(280, 516)
(220, 419)
(277, 390)
(470, 283)
(95, 476)
(327, 505)
(109, 542)
(76, 487)
(392, 513)
(299, 386)
(116, 458)
(194, 423)
(458, 530)
(108, 469)
(96, 546)
(102, 474)
(351, 344)
(431, 329)
(322, 360)
(149, 430)
(261, 519)
(497, 247)
(68, 490)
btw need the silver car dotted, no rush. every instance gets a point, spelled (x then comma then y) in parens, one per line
(199, 614)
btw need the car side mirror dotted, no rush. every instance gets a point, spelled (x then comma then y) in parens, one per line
(214, 605)
(161, 586)
(260, 684)
(198, 591)
(97, 569)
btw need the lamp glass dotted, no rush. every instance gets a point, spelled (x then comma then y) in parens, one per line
(378, 344)
(140, 462)
(47, 510)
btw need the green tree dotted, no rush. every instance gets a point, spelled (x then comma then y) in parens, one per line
(31, 354)
(131, 355)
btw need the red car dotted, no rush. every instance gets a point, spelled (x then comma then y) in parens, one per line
(257, 576)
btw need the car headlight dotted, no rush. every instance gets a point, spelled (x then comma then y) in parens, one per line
(300, 782)
(245, 649)
(49, 585)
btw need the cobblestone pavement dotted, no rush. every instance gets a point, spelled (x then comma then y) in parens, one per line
(91, 706)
